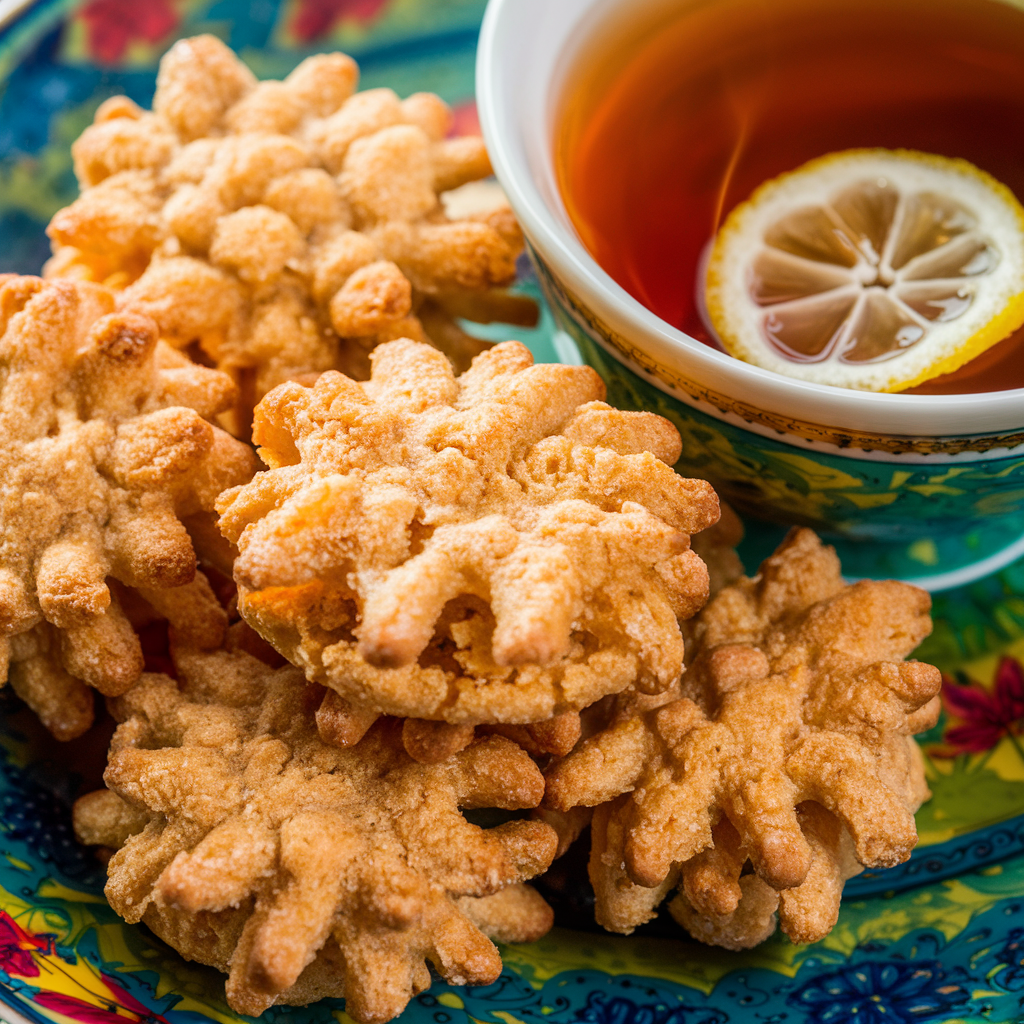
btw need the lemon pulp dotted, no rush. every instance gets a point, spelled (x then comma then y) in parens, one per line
(869, 269)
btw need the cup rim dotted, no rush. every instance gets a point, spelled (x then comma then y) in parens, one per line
(869, 412)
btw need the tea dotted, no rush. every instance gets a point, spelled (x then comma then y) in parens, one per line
(670, 123)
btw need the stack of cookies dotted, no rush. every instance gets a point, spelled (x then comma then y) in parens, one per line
(450, 565)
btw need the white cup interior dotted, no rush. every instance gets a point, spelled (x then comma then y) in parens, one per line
(527, 47)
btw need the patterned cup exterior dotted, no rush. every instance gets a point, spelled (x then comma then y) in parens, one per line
(864, 486)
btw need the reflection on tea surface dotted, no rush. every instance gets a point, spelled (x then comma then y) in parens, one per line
(659, 139)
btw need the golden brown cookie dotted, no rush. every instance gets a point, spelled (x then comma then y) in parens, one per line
(300, 869)
(788, 750)
(496, 547)
(107, 458)
(278, 229)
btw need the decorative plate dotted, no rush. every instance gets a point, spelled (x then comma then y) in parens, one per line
(940, 938)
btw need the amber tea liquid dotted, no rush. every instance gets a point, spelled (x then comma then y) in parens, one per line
(671, 122)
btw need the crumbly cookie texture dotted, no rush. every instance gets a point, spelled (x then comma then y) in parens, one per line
(716, 547)
(428, 741)
(496, 547)
(107, 457)
(280, 229)
(302, 870)
(787, 748)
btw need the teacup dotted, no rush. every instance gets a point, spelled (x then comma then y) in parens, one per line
(928, 488)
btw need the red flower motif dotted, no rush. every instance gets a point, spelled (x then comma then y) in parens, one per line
(987, 716)
(79, 1009)
(465, 119)
(315, 18)
(128, 1002)
(112, 25)
(17, 947)
(103, 1012)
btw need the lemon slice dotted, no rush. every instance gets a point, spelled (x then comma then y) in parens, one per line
(870, 269)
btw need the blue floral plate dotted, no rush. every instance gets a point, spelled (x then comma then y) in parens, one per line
(940, 938)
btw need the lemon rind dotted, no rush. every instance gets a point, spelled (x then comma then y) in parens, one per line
(993, 330)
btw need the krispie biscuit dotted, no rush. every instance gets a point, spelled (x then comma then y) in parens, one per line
(108, 460)
(787, 748)
(495, 547)
(279, 229)
(299, 869)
